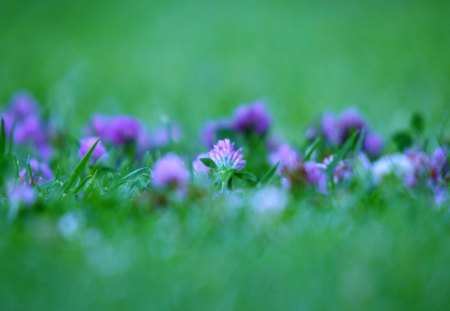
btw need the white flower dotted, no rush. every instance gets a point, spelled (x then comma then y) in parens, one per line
(395, 164)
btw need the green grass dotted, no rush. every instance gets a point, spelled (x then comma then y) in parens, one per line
(195, 60)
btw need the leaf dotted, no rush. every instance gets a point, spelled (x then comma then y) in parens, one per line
(79, 168)
(348, 145)
(310, 151)
(30, 173)
(417, 123)
(247, 176)
(209, 163)
(267, 177)
(360, 142)
(402, 139)
(129, 176)
(2, 138)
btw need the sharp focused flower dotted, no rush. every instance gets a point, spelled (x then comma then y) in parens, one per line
(169, 172)
(252, 118)
(226, 157)
(21, 194)
(87, 143)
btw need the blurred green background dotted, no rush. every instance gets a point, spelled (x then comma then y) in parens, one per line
(194, 60)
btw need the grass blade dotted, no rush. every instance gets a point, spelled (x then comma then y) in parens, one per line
(267, 177)
(79, 168)
(129, 176)
(2, 139)
(310, 151)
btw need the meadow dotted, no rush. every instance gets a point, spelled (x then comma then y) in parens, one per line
(110, 234)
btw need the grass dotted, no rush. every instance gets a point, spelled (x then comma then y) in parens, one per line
(191, 61)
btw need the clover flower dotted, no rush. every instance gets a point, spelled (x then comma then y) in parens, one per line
(23, 105)
(87, 143)
(21, 194)
(169, 172)
(252, 118)
(373, 144)
(118, 130)
(226, 157)
(286, 156)
(350, 120)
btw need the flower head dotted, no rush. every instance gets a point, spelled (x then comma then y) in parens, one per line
(226, 157)
(286, 156)
(252, 118)
(118, 130)
(373, 144)
(21, 194)
(169, 172)
(23, 105)
(87, 143)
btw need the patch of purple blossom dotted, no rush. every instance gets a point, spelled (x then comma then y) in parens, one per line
(253, 119)
(117, 130)
(21, 194)
(170, 173)
(336, 129)
(212, 129)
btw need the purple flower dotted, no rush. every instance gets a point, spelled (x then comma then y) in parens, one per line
(373, 144)
(286, 156)
(331, 129)
(40, 170)
(118, 130)
(23, 105)
(198, 165)
(212, 130)
(169, 172)
(21, 194)
(87, 143)
(315, 175)
(226, 157)
(342, 170)
(123, 129)
(30, 129)
(439, 166)
(350, 120)
(252, 118)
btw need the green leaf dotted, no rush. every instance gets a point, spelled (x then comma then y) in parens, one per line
(247, 176)
(360, 142)
(208, 163)
(79, 168)
(30, 173)
(310, 151)
(417, 123)
(2, 139)
(402, 139)
(346, 148)
(129, 176)
(267, 177)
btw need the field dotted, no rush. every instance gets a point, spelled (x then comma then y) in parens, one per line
(187, 62)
